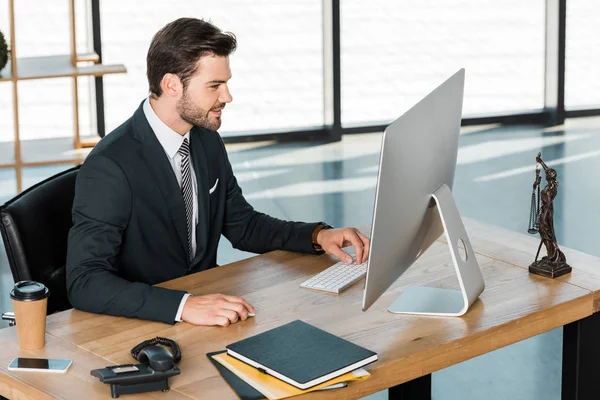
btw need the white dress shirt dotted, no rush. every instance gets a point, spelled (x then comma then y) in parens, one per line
(171, 141)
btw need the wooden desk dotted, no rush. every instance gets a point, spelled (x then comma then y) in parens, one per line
(514, 306)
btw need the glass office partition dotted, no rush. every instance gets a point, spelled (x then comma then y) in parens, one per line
(582, 79)
(277, 69)
(394, 52)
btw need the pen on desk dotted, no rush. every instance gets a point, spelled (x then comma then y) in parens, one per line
(338, 385)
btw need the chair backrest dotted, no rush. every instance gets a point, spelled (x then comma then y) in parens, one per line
(35, 226)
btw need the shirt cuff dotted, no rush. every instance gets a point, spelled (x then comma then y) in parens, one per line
(180, 309)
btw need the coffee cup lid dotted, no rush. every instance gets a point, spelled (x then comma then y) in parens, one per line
(29, 291)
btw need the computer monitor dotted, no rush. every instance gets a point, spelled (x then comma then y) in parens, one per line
(414, 205)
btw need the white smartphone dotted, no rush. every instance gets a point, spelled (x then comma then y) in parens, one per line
(39, 365)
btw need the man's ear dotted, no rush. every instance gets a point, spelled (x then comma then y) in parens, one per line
(171, 85)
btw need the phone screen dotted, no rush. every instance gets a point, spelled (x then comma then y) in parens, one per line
(40, 364)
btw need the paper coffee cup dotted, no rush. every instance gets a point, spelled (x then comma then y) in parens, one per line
(30, 301)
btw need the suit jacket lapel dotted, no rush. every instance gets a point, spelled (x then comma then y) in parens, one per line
(162, 173)
(201, 170)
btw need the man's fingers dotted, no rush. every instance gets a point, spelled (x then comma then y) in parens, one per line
(240, 300)
(221, 321)
(366, 245)
(341, 254)
(357, 243)
(238, 308)
(231, 315)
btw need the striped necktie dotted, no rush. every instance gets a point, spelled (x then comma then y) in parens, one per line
(187, 191)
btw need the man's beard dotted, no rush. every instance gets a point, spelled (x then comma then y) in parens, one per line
(194, 115)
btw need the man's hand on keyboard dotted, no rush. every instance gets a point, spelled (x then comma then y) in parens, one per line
(332, 241)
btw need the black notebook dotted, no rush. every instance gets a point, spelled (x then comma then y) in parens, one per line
(301, 354)
(241, 388)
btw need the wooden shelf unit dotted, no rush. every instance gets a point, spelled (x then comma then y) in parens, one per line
(71, 65)
(56, 67)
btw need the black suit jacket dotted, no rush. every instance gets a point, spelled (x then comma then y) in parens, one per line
(129, 221)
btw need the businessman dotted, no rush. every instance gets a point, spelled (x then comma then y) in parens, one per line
(154, 196)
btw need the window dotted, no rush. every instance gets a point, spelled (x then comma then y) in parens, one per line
(277, 69)
(582, 80)
(394, 52)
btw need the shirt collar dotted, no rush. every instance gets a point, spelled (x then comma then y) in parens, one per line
(169, 139)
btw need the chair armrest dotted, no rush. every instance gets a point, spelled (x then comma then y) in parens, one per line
(10, 317)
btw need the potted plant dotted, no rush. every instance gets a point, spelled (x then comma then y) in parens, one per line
(4, 52)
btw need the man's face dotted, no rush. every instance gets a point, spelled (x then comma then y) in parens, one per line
(203, 100)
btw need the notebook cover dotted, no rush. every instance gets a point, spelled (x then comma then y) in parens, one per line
(300, 351)
(241, 388)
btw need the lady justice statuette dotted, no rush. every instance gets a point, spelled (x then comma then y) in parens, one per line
(541, 219)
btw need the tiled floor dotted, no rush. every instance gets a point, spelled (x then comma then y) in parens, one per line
(336, 183)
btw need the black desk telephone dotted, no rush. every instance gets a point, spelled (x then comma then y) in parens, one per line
(157, 365)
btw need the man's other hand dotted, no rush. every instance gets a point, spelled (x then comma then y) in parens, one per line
(332, 241)
(215, 309)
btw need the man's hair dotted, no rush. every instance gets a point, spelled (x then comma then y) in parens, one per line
(178, 46)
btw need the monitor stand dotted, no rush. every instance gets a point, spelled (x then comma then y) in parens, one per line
(446, 302)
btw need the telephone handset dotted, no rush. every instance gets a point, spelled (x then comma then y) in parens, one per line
(159, 358)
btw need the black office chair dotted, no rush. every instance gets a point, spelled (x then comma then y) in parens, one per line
(35, 225)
